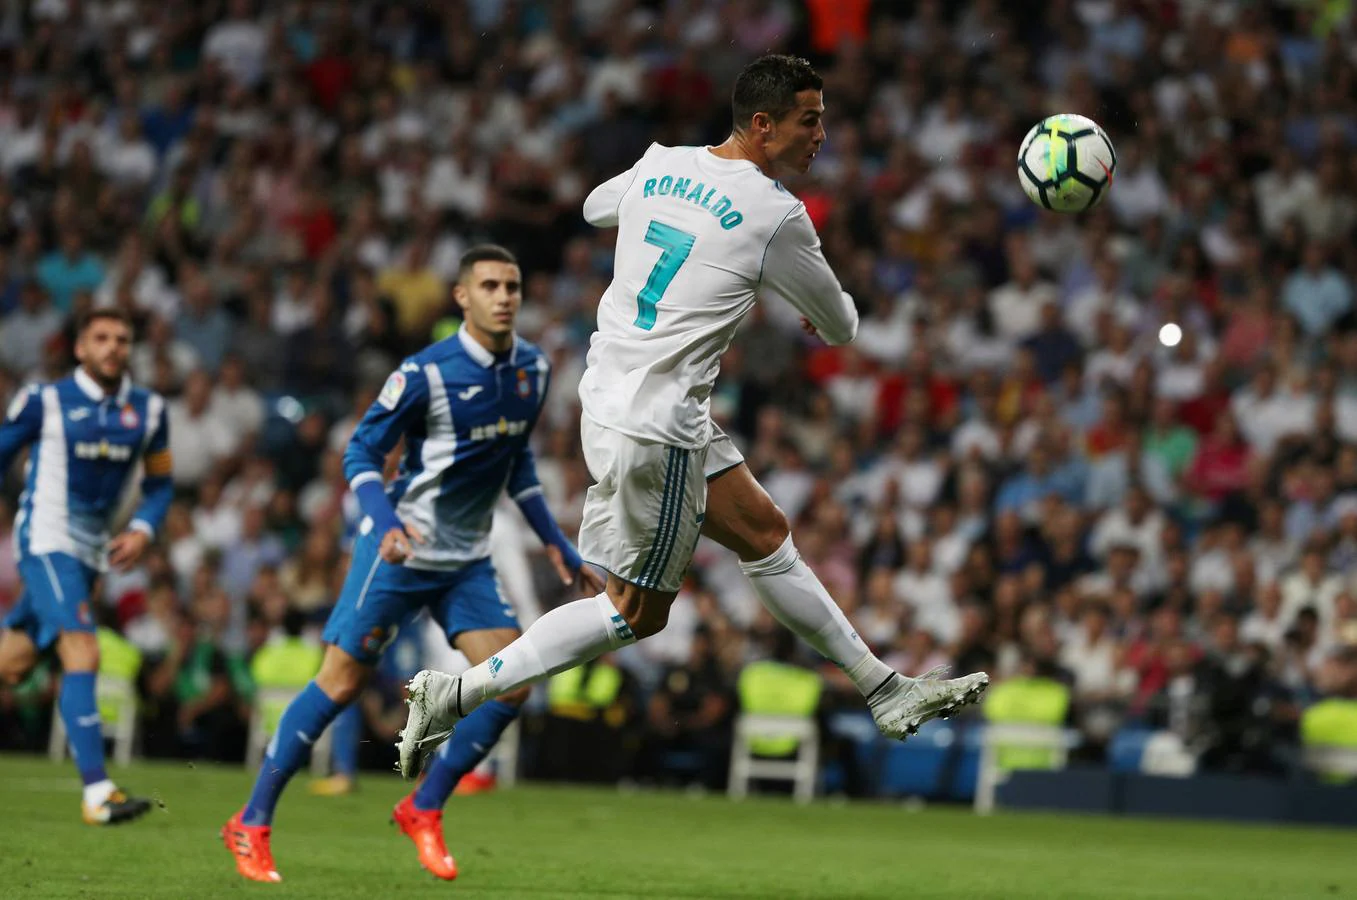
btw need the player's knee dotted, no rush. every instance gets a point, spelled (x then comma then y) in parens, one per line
(12, 671)
(78, 651)
(646, 615)
(341, 676)
(770, 533)
(342, 688)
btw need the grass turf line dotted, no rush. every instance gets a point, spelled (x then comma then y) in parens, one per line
(542, 842)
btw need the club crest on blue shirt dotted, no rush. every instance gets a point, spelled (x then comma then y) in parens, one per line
(392, 390)
(524, 385)
(129, 417)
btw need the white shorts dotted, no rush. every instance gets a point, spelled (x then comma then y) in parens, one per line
(643, 515)
(722, 454)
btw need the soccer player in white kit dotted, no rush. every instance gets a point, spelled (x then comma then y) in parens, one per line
(702, 231)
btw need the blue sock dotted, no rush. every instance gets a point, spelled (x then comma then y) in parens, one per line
(305, 717)
(84, 730)
(345, 734)
(469, 744)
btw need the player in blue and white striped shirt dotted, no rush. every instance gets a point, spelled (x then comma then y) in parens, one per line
(87, 433)
(464, 408)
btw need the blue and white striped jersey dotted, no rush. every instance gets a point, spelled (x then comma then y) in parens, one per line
(466, 415)
(86, 444)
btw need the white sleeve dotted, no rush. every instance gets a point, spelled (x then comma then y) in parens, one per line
(603, 202)
(796, 270)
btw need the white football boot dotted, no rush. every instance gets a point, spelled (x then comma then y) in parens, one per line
(900, 705)
(435, 709)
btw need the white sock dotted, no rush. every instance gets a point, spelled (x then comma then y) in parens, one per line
(798, 600)
(563, 638)
(97, 793)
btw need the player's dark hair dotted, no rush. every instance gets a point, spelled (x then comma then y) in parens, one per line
(483, 253)
(769, 85)
(94, 315)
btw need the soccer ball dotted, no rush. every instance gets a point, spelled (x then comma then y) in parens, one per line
(1066, 163)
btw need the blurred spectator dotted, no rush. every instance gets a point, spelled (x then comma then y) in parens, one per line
(306, 578)
(70, 269)
(1317, 295)
(197, 439)
(415, 288)
(234, 403)
(25, 331)
(201, 323)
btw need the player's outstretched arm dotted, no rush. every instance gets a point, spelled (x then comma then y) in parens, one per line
(403, 401)
(22, 425)
(795, 269)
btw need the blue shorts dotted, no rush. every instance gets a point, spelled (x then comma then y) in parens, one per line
(56, 598)
(379, 598)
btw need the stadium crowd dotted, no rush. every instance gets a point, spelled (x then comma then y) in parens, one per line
(1007, 471)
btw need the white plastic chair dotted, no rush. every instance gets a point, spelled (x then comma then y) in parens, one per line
(1333, 762)
(1029, 737)
(267, 710)
(111, 694)
(505, 756)
(801, 771)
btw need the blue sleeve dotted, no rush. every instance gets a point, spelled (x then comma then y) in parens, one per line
(526, 491)
(22, 425)
(534, 508)
(403, 402)
(523, 476)
(157, 486)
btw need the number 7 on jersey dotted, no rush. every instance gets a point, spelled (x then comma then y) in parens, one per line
(676, 245)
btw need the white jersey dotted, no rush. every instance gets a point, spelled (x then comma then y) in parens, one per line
(698, 237)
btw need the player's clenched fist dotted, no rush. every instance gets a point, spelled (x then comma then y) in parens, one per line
(398, 544)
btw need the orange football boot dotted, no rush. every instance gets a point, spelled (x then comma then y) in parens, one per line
(425, 828)
(474, 783)
(249, 844)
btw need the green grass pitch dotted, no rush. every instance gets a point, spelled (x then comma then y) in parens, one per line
(540, 842)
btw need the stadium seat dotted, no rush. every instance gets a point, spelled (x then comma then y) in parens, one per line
(776, 736)
(1334, 764)
(801, 766)
(269, 703)
(1126, 751)
(1024, 730)
(281, 669)
(918, 766)
(115, 692)
(504, 756)
(1050, 743)
(1166, 754)
(1328, 732)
